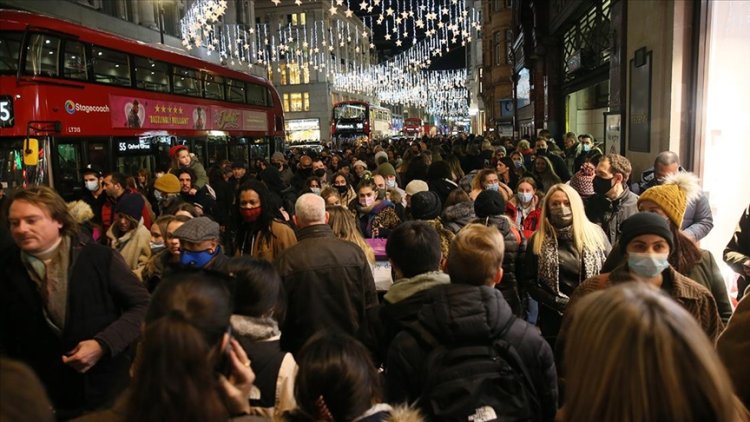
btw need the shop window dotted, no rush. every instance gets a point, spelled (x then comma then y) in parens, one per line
(286, 102)
(294, 73)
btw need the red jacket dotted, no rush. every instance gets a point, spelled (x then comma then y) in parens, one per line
(528, 224)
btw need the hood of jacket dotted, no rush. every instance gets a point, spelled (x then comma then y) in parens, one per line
(406, 287)
(465, 313)
(461, 212)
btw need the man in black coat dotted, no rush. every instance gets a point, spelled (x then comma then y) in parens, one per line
(470, 311)
(561, 169)
(70, 310)
(328, 281)
(413, 250)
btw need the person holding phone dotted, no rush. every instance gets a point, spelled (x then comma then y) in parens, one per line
(188, 365)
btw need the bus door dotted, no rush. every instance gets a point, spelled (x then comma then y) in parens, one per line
(12, 169)
(239, 150)
(218, 150)
(67, 161)
(260, 149)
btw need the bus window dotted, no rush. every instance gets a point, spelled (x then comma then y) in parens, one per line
(235, 91)
(187, 81)
(217, 149)
(256, 94)
(151, 75)
(75, 61)
(66, 164)
(11, 163)
(111, 67)
(129, 165)
(96, 154)
(214, 87)
(42, 55)
(259, 149)
(10, 47)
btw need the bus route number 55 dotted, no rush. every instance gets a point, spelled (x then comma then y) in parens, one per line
(6, 111)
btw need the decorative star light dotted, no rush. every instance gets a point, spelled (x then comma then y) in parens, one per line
(332, 10)
(363, 5)
(349, 13)
(389, 11)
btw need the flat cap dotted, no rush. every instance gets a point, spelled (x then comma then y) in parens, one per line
(197, 230)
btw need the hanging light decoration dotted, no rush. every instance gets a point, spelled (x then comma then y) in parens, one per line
(430, 27)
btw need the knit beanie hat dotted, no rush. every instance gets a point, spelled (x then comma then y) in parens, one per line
(416, 186)
(425, 205)
(386, 169)
(360, 163)
(197, 230)
(167, 184)
(131, 204)
(583, 180)
(175, 150)
(673, 195)
(489, 203)
(644, 223)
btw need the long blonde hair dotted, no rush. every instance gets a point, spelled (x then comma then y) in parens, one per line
(586, 235)
(633, 354)
(344, 227)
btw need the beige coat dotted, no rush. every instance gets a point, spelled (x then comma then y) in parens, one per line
(134, 246)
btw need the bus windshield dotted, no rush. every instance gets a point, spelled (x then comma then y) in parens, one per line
(349, 111)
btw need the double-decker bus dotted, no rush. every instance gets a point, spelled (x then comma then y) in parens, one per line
(413, 127)
(71, 96)
(358, 119)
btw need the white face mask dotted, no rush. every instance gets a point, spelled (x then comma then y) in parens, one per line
(315, 191)
(391, 183)
(92, 185)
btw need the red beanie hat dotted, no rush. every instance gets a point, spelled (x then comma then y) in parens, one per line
(175, 149)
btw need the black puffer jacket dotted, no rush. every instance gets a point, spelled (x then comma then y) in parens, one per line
(468, 314)
(514, 252)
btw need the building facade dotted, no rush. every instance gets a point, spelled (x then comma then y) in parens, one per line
(495, 73)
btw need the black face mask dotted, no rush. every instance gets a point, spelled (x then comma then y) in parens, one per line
(541, 151)
(602, 186)
(342, 189)
(319, 172)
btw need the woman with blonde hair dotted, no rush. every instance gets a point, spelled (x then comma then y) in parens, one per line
(544, 171)
(565, 250)
(487, 179)
(633, 354)
(344, 227)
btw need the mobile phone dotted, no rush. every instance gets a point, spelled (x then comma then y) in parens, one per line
(224, 366)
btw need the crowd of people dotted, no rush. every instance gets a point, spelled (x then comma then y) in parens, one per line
(538, 284)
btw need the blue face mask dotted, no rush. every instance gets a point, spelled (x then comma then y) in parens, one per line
(586, 147)
(492, 186)
(525, 197)
(647, 265)
(517, 163)
(196, 259)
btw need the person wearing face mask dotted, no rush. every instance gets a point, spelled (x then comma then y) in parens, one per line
(93, 192)
(279, 161)
(646, 241)
(346, 192)
(260, 232)
(485, 179)
(670, 200)
(199, 245)
(558, 164)
(612, 201)
(524, 208)
(565, 250)
(375, 214)
(388, 173)
(166, 260)
(304, 170)
(321, 172)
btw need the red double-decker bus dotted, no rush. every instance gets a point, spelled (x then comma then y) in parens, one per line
(353, 120)
(72, 96)
(413, 127)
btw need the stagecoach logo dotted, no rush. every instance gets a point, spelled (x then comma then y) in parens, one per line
(71, 107)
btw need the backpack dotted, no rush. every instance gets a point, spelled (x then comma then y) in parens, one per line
(475, 382)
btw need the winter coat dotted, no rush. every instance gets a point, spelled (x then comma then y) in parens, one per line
(329, 286)
(201, 178)
(275, 370)
(609, 214)
(377, 413)
(382, 216)
(264, 245)
(738, 251)
(706, 272)
(734, 348)
(106, 302)
(134, 246)
(696, 299)
(442, 187)
(455, 217)
(469, 314)
(530, 223)
(515, 250)
(400, 307)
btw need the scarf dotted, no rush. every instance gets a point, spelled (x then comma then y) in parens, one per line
(549, 264)
(49, 271)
